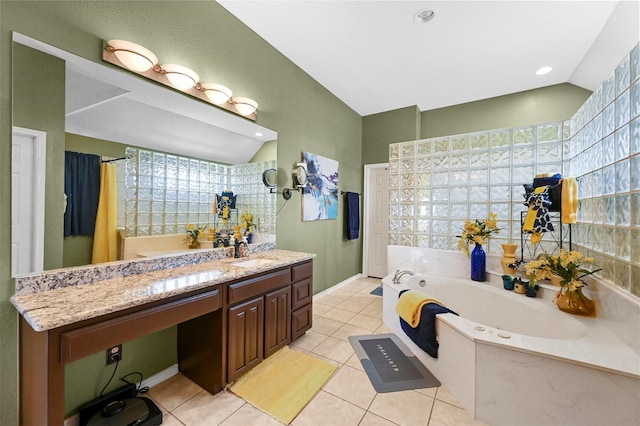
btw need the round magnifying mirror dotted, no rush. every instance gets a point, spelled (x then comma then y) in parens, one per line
(269, 178)
(300, 176)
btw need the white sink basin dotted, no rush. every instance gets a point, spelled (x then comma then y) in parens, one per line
(253, 263)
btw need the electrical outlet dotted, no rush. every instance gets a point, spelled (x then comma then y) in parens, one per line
(114, 354)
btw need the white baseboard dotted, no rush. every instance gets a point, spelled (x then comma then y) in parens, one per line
(336, 286)
(157, 378)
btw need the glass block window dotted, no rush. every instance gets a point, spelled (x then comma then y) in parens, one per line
(165, 192)
(446, 180)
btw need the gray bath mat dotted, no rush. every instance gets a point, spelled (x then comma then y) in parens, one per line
(390, 365)
(376, 291)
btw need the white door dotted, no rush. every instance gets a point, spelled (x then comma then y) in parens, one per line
(27, 201)
(376, 220)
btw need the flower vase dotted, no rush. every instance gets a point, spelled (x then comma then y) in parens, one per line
(509, 258)
(574, 302)
(478, 264)
(194, 243)
(249, 237)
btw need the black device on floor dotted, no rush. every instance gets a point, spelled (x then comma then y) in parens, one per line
(121, 407)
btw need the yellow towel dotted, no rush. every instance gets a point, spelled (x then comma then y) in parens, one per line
(105, 248)
(410, 304)
(569, 206)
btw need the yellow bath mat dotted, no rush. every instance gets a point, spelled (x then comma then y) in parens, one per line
(283, 384)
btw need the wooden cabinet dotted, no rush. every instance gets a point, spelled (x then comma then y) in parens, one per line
(266, 313)
(301, 299)
(245, 340)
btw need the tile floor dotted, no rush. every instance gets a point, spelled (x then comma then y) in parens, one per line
(348, 398)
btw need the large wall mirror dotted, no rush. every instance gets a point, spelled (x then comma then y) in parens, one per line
(62, 102)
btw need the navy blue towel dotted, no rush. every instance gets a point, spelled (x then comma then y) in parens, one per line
(424, 335)
(353, 215)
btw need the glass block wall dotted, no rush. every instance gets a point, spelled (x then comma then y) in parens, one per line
(164, 192)
(435, 184)
(605, 156)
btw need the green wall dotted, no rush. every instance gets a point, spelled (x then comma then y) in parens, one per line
(552, 103)
(205, 37)
(41, 107)
(380, 130)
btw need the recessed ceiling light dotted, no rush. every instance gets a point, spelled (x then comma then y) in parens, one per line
(425, 15)
(258, 134)
(544, 70)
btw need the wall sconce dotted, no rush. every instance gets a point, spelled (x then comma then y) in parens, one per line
(245, 106)
(142, 61)
(180, 77)
(133, 56)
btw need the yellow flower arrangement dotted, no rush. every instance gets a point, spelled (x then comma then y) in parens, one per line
(247, 222)
(193, 232)
(477, 232)
(568, 265)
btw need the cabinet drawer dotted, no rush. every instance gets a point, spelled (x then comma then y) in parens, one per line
(300, 272)
(301, 321)
(302, 293)
(258, 286)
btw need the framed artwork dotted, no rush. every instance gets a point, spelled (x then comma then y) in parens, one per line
(320, 195)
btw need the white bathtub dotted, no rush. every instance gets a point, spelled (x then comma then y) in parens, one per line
(514, 360)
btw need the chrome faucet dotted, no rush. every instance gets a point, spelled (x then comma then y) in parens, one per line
(399, 274)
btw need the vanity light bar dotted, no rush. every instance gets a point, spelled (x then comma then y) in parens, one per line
(136, 58)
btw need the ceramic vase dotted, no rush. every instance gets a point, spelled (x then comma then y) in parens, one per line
(249, 238)
(194, 243)
(478, 264)
(509, 258)
(575, 302)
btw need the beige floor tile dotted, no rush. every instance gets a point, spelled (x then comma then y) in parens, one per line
(403, 408)
(169, 420)
(354, 362)
(339, 314)
(447, 415)
(328, 300)
(352, 385)
(319, 309)
(373, 309)
(445, 396)
(365, 299)
(325, 325)
(431, 392)
(309, 340)
(383, 329)
(335, 349)
(371, 419)
(174, 391)
(326, 409)
(347, 330)
(250, 415)
(365, 321)
(207, 410)
(352, 305)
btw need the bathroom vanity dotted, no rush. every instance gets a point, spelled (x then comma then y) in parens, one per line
(230, 313)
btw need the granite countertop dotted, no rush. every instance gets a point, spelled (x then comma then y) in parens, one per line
(46, 310)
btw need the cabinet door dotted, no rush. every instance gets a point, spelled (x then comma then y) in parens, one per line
(246, 323)
(277, 329)
(301, 321)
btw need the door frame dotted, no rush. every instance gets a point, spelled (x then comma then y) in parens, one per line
(368, 168)
(38, 195)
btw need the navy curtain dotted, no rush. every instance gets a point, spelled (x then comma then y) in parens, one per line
(82, 188)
